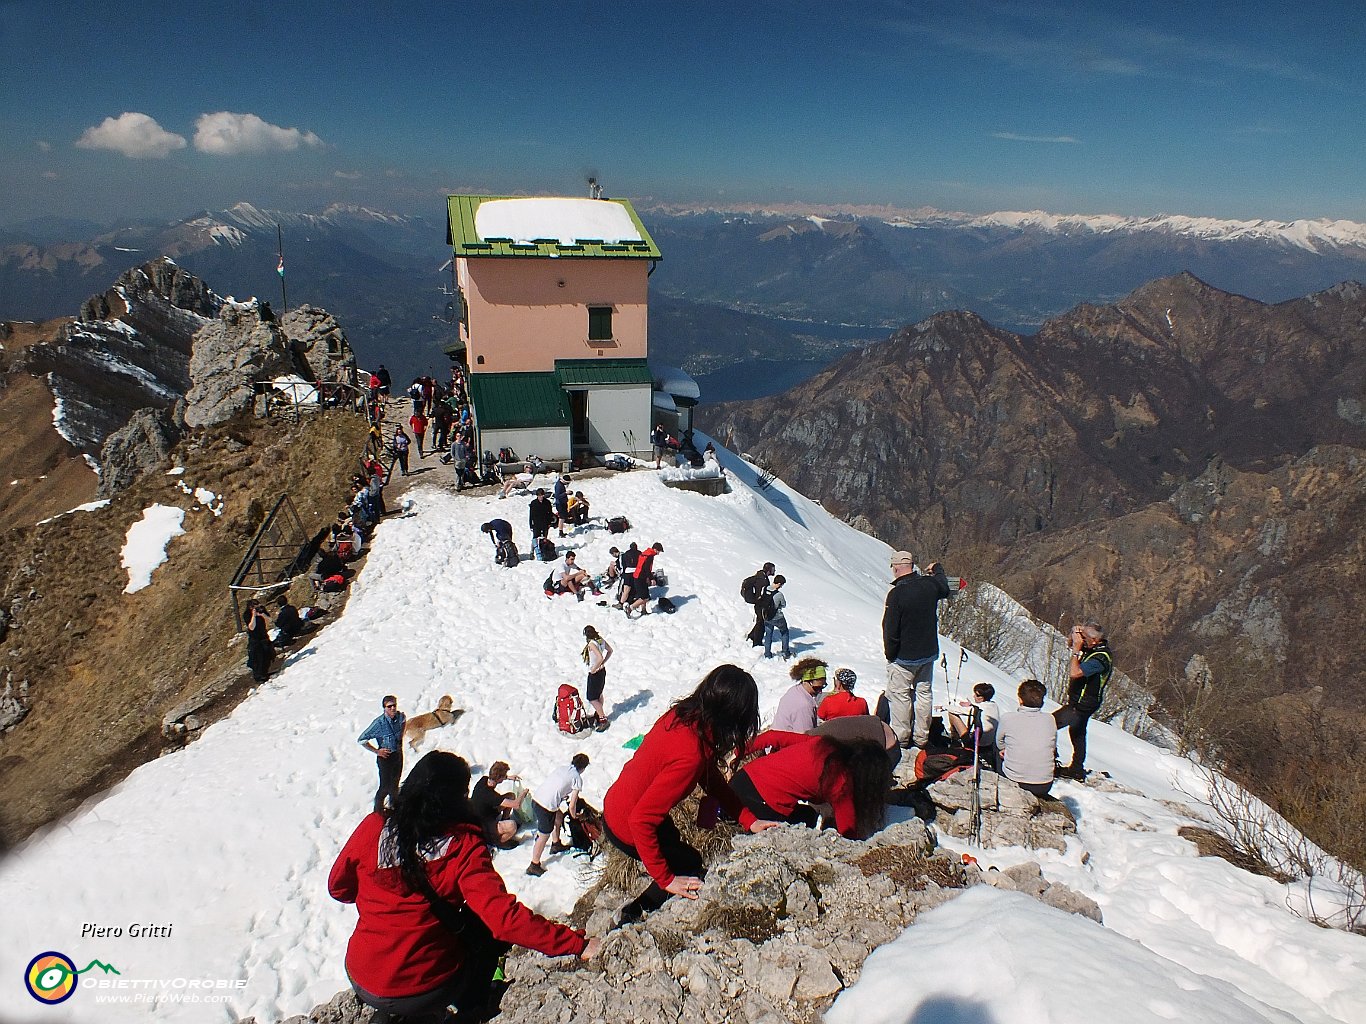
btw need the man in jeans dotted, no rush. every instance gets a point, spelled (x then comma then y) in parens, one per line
(910, 641)
(384, 739)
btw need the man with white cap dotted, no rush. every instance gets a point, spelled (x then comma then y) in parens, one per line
(910, 641)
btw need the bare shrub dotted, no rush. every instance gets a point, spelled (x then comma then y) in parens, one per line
(1304, 763)
(988, 623)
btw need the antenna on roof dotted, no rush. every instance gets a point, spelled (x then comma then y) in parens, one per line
(594, 189)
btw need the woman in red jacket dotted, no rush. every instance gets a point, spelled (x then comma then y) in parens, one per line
(434, 915)
(852, 776)
(686, 747)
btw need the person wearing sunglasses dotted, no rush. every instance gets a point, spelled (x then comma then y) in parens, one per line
(797, 708)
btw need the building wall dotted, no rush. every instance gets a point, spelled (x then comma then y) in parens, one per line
(526, 313)
(550, 443)
(612, 412)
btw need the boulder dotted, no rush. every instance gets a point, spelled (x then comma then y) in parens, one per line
(1010, 816)
(319, 341)
(144, 443)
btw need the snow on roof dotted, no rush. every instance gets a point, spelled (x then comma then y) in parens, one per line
(565, 220)
(673, 381)
(145, 546)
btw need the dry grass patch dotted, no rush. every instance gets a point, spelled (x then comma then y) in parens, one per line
(910, 870)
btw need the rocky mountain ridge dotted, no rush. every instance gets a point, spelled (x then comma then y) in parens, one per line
(1183, 435)
(154, 366)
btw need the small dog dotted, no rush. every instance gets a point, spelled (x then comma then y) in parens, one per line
(419, 725)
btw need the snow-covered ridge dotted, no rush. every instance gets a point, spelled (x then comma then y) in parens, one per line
(1312, 235)
(230, 839)
(233, 225)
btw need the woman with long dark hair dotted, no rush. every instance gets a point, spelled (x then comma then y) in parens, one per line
(260, 651)
(852, 776)
(434, 914)
(686, 747)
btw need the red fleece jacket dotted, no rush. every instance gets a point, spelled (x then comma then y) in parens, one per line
(399, 948)
(670, 762)
(794, 772)
(841, 704)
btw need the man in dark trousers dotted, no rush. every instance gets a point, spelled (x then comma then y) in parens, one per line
(540, 515)
(499, 531)
(1088, 673)
(384, 739)
(751, 590)
(640, 580)
(910, 640)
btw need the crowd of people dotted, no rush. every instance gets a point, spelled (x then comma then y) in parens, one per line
(421, 865)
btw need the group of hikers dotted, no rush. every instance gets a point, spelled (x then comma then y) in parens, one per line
(443, 411)
(435, 915)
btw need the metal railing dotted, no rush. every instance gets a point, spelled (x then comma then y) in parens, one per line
(279, 551)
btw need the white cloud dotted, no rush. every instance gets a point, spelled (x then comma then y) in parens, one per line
(228, 134)
(348, 175)
(44, 145)
(1015, 137)
(136, 136)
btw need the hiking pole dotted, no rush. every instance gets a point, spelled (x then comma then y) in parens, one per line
(958, 676)
(976, 720)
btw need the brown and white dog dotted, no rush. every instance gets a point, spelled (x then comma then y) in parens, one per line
(419, 725)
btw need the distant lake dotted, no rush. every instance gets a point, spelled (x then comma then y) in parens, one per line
(758, 378)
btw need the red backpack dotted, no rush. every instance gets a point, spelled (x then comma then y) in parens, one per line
(569, 712)
(933, 765)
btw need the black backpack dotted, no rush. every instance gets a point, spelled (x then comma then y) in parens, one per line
(618, 524)
(753, 586)
(545, 549)
(507, 554)
(766, 607)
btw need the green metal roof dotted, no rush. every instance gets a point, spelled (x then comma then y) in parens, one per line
(602, 371)
(514, 400)
(464, 238)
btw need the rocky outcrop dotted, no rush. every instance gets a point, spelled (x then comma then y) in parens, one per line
(782, 926)
(144, 443)
(231, 354)
(1010, 816)
(319, 341)
(128, 350)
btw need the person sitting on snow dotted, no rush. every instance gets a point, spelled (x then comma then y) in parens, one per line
(573, 579)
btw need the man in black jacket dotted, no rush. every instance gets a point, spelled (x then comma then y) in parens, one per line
(541, 516)
(1089, 669)
(910, 640)
(751, 590)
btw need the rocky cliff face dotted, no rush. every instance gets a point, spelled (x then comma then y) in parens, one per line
(1182, 465)
(129, 349)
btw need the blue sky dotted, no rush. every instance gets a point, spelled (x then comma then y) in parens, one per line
(1216, 109)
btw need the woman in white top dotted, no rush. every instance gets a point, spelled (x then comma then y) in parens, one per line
(595, 654)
